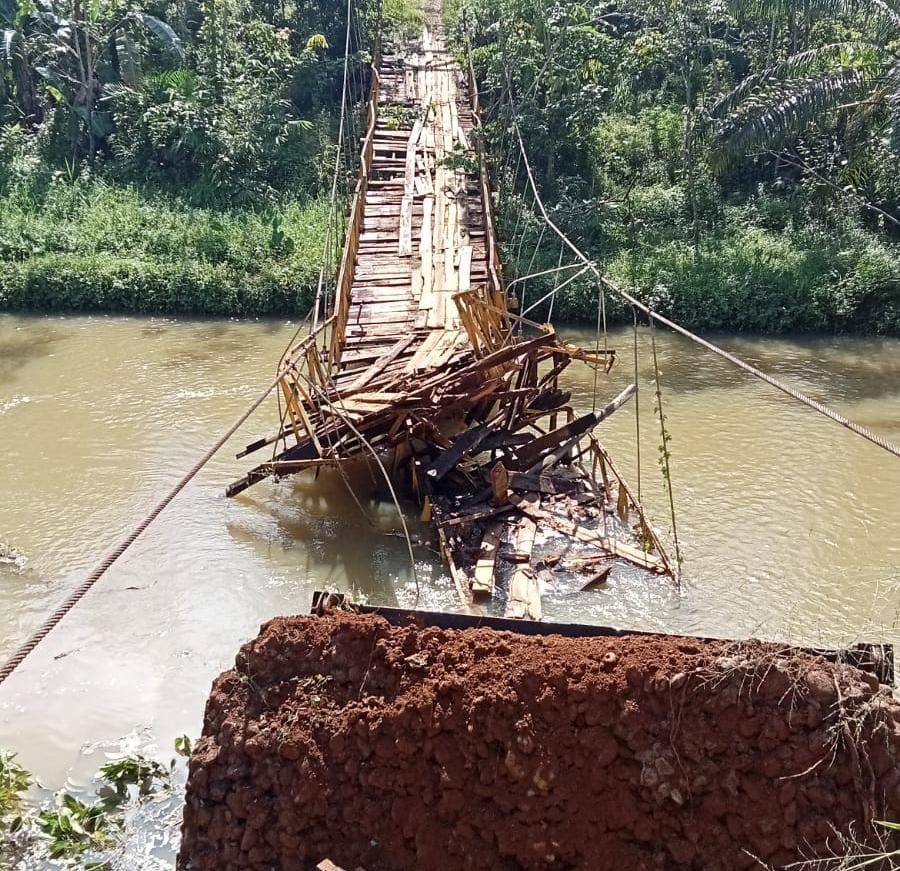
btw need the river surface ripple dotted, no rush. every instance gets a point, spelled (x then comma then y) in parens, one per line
(789, 525)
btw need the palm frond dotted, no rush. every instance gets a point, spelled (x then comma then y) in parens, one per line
(875, 16)
(163, 32)
(169, 84)
(129, 58)
(771, 118)
(317, 42)
(10, 44)
(8, 11)
(802, 62)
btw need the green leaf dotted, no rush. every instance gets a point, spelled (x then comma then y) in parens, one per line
(129, 59)
(163, 32)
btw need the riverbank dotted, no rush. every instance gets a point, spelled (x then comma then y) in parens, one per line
(344, 737)
(77, 245)
(749, 279)
(89, 245)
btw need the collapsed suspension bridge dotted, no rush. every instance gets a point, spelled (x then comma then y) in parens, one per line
(424, 368)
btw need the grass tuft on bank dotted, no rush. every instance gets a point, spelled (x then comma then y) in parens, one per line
(750, 273)
(83, 244)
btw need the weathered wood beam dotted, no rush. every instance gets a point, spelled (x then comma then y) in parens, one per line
(524, 594)
(589, 536)
(528, 456)
(483, 578)
(381, 363)
(466, 442)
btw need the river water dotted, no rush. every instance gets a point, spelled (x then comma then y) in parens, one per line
(789, 525)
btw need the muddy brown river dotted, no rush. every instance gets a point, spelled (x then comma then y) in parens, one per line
(789, 525)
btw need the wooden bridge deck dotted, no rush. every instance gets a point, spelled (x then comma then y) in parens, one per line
(422, 235)
(425, 369)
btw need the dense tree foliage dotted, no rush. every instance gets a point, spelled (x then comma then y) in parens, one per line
(226, 95)
(732, 162)
(166, 155)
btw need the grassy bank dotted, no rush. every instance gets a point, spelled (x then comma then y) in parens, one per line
(87, 244)
(753, 274)
(91, 245)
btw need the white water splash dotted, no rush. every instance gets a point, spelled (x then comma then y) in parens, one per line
(14, 402)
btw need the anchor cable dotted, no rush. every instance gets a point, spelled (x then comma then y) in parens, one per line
(85, 587)
(799, 396)
(317, 305)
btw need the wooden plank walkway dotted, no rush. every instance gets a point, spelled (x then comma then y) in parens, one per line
(422, 236)
(425, 370)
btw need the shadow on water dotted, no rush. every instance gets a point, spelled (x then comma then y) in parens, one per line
(334, 542)
(29, 342)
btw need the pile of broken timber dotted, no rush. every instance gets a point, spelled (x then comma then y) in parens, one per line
(492, 488)
(425, 370)
(490, 446)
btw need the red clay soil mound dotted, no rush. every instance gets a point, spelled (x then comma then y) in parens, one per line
(408, 748)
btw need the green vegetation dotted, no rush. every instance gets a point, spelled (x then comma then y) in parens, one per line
(81, 832)
(89, 244)
(733, 164)
(170, 157)
(14, 780)
(73, 827)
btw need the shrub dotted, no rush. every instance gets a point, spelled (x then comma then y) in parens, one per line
(78, 282)
(91, 245)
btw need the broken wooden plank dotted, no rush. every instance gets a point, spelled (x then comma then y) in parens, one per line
(524, 595)
(478, 514)
(531, 453)
(589, 536)
(404, 247)
(503, 438)
(551, 485)
(598, 580)
(466, 442)
(500, 484)
(483, 577)
(465, 267)
(422, 352)
(382, 362)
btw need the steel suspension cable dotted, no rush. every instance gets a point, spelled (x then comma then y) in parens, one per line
(601, 325)
(637, 404)
(555, 284)
(337, 168)
(798, 395)
(33, 640)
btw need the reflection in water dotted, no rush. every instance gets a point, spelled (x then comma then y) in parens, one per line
(789, 524)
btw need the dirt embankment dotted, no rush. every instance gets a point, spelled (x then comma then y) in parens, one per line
(405, 748)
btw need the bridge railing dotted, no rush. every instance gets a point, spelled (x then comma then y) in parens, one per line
(304, 379)
(354, 223)
(495, 267)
